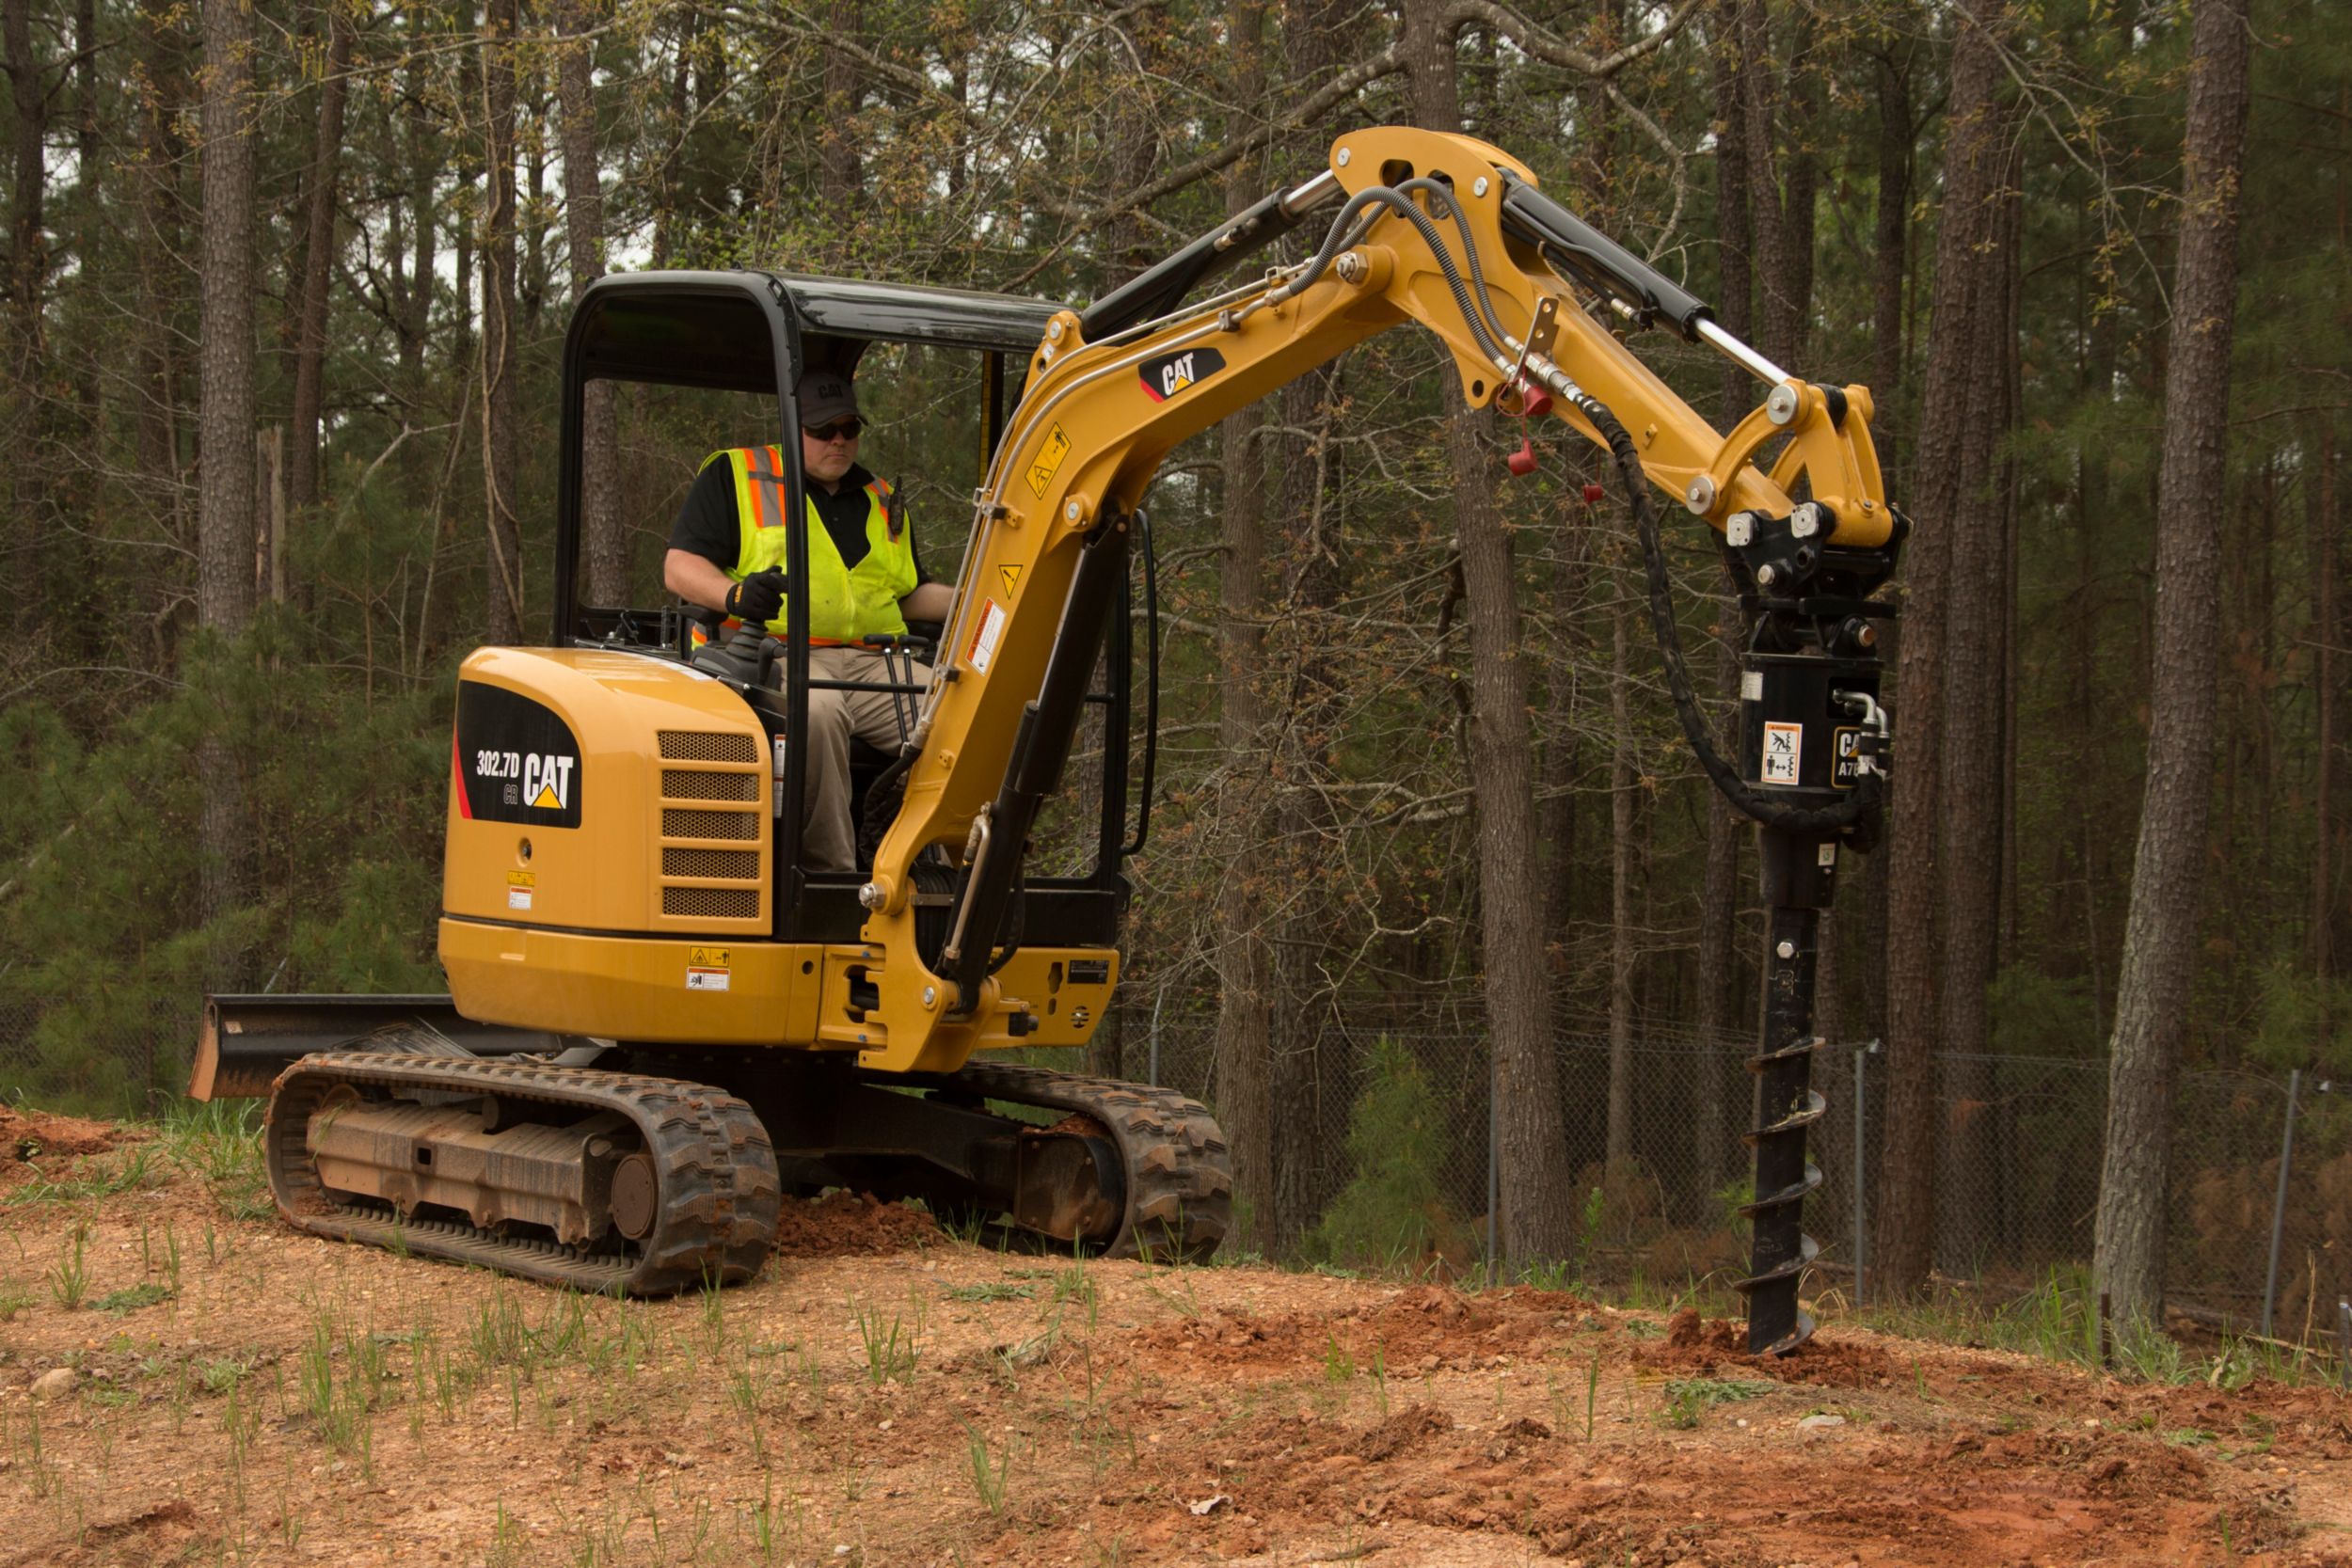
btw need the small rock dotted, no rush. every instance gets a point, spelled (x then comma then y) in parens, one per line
(54, 1384)
(1813, 1426)
(1210, 1505)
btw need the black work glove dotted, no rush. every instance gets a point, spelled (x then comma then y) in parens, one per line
(758, 598)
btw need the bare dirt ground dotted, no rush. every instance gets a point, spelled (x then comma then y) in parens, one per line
(885, 1395)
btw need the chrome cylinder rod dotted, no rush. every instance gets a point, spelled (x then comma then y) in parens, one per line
(1739, 354)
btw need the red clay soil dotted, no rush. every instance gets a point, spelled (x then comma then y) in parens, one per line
(34, 1140)
(849, 1225)
(883, 1394)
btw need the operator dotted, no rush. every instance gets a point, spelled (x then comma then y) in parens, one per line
(728, 554)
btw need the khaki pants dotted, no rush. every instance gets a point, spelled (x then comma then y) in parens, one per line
(828, 838)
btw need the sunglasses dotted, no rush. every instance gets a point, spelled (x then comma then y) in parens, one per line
(839, 430)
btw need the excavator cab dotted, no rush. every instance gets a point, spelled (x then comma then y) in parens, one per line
(661, 1021)
(710, 361)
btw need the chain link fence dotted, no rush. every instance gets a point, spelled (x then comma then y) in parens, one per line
(2016, 1179)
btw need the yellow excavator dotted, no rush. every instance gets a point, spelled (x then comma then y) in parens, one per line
(661, 1020)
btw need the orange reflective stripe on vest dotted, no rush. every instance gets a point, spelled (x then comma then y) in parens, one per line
(845, 602)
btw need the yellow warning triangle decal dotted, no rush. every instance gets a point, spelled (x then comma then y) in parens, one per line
(547, 800)
(1012, 579)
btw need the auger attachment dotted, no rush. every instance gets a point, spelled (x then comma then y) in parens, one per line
(1798, 875)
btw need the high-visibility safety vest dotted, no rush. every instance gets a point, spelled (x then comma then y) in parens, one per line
(844, 603)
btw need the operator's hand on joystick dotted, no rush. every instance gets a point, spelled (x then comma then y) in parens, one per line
(758, 598)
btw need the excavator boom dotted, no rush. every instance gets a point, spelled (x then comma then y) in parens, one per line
(1452, 235)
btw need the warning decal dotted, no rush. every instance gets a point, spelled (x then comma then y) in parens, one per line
(708, 968)
(1012, 579)
(519, 886)
(1048, 460)
(1784, 748)
(992, 631)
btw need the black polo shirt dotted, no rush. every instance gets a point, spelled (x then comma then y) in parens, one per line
(707, 524)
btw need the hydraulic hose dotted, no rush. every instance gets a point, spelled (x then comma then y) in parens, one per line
(1473, 309)
(1442, 197)
(1762, 805)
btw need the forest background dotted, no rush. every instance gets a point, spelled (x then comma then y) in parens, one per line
(285, 291)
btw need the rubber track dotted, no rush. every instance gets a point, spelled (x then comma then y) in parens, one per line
(1179, 1173)
(718, 1190)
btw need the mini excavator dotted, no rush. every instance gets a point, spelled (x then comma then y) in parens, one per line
(659, 1020)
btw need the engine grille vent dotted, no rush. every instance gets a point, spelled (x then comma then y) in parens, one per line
(729, 773)
(711, 903)
(710, 824)
(742, 864)
(694, 746)
(679, 784)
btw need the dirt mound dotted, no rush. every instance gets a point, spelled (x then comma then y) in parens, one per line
(31, 1139)
(1695, 1347)
(846, 1225)
(1418, 1331)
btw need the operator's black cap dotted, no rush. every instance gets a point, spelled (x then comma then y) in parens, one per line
(824, 396)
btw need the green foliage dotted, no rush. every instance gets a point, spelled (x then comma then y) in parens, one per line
(1391, 1213)
(132, 1299)
(2038, 1014)
(343, 799)
(2303, 1020)
(1687, 1399)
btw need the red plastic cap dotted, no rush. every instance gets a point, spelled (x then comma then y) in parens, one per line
(1534, 402)
(1595, 495)
(1522, 462)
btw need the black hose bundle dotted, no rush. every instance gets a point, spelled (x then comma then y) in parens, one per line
(1764, 806)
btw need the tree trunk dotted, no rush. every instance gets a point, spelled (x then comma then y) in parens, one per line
(1313, 1084)
(1622, 781)
(425, 162)
(1781, 186)
(1712, 1149)
(1734, 226)
(503, 617)
(1906, 1222)
(225, 503)
(841, 173)
(2328, 918)
(318, 269)
(2169, 881)
(226, 499)
(1538, 1222)
(1971, 789)
(161, 226)
(28, 273)
(1245, 964)
(1890, 243)
(1134, 145)
(607, 544)
(1570, 598)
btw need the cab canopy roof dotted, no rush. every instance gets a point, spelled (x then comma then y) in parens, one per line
(746, 330)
